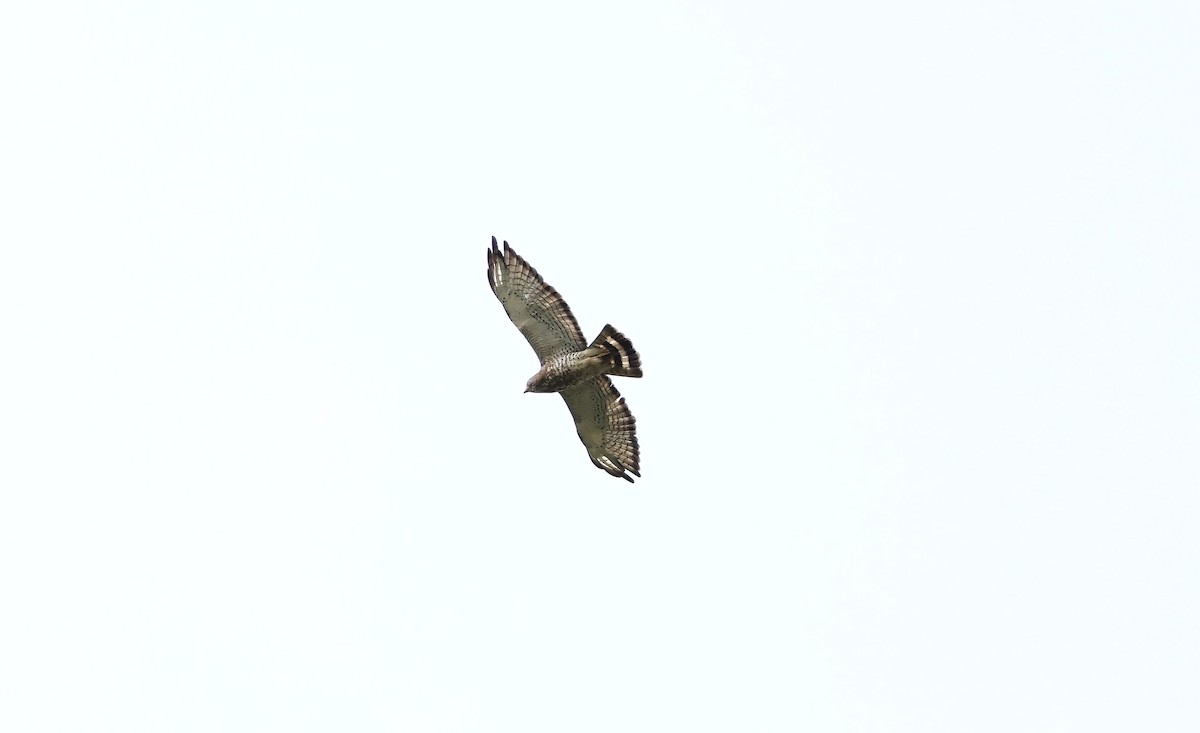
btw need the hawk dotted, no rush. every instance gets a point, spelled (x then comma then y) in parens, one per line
(571, 366)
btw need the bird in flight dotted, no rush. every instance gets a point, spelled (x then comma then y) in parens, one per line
(571, 366)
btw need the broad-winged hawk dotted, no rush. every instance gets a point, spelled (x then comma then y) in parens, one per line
(570, 366)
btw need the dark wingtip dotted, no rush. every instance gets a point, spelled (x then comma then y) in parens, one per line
(492, 255)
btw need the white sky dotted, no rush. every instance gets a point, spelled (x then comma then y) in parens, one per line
(914, 285)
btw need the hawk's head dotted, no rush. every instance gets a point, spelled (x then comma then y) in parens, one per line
(540, 382)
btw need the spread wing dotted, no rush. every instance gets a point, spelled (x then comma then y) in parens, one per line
(605, 425)
(536, 308)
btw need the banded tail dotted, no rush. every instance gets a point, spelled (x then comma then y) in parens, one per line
(618, 352)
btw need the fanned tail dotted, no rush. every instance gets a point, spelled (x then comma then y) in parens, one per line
(618, 351)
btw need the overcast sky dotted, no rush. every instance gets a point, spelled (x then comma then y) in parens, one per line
(914, 286)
